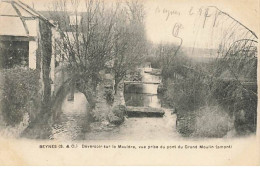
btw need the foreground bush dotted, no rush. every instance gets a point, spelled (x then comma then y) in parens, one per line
(186, 94)
(211, 121)
(240, 102)
(206, 109)
(19, 88)
(117, 115)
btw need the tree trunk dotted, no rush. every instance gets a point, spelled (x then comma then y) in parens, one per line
(91, 99)
(117, 81)
(39, 128)
(115, 87)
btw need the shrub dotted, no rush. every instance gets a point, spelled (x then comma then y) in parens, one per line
(119, 111)
(226, 93)
(19, 94)
(185, 123)
(239, 102)
(211, 121)
(161, 89)
(117, 115)
(134, 76)
(155, 62)
(188, 94)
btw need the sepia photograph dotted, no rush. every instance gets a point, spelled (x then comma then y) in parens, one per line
(124, 74)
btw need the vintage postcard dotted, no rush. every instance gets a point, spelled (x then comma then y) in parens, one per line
(129, 82)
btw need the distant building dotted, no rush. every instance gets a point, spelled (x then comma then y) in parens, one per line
(65, 22)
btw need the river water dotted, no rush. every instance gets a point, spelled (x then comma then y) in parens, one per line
(69, 125)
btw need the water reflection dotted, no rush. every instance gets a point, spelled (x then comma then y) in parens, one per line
(143, 95)
(142, 100)
(140, 129)
(70, 124)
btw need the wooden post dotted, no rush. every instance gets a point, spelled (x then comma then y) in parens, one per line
(32, 54)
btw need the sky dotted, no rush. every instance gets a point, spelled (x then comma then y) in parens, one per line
(164, 16)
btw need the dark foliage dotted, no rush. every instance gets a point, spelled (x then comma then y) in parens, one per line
(20, 94)
(109, 96)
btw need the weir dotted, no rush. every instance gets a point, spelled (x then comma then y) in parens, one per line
(140, 82)
(141, 96)
(144, 112)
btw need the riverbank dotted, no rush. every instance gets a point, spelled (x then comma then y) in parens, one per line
(104, 117)
(140, 128)
(196, 116)
(75, 123)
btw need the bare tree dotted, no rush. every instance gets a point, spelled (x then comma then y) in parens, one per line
(231, 79)
(86, 41)
(130, 42)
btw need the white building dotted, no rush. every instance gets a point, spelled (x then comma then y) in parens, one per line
(26, 37)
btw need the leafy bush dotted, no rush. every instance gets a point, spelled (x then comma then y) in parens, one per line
(19, 94)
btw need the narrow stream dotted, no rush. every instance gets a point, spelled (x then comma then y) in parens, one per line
(146, 128)
(69, 125)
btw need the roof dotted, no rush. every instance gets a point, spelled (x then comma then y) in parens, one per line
(19, 19)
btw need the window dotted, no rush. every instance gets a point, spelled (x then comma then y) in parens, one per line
(14, 53)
